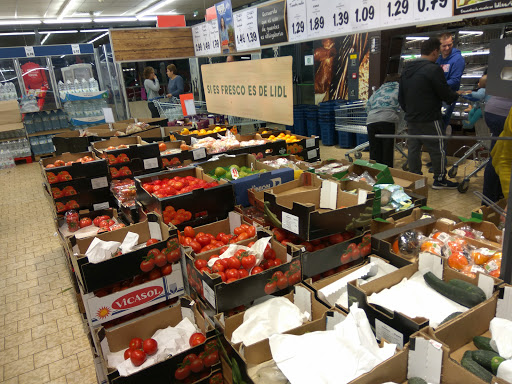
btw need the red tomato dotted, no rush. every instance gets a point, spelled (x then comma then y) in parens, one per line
(197, 365)
(182, 372)
(128, 353)
(222, 250)
(231, 280)
(269, 253)
(218, 267)
(189, 358)
(231, 273)
(136, 343)
(335, 239)
(248, 261)
(151, 241)
(173, 256)
(85, 222)
(216, 379)
(160, 260)
(205, 269)
(256, 270)
(196, 339)
(166, 270)
(224, 262)
(155, 274)
(243, 273)
(196, 247)
(234, 262)
(147, 265)
(222, 276)
(198, 263)
(279, 234)
(309, 247)
(277, 262)
(238, 230)
(251, 231)
(150, 346)
(138, 357)
(162, 147)
(203, 240)
(64, 176)
(189, 231)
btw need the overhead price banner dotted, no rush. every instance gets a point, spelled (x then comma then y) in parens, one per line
(246, 30)
(296, 10)
(259, 89)
(272, 23)
(213, 33)
(206, 38)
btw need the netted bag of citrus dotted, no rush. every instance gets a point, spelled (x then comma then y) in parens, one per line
(234, 172)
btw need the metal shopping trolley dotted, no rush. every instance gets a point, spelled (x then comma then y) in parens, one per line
(172, 110)
(351, 118)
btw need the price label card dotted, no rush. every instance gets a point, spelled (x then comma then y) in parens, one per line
(432, 9)
(75, 49)
(99, 182)
(365, 14)
(199, 153)
(213, 27)
(290, 222)
(310, 143)
(151, 163)
(246, 30)
(340, 17)
(395, 12)
(318, 12)
(205, 38)
(29, 51)
(100, 206)
(312, 154)
(197, 38)
(297, 19)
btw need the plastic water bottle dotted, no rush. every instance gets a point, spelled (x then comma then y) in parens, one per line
(77, 86)
(2, 92)
(85, 86)
(12, 92)
(93, 85)
(62, 89)
(69, 86)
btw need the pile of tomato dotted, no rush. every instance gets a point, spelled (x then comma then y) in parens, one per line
(139, 349)
(62, 163)
(122, 158)
(198, 364)
(57, 193)
(159, 262)
(59, 178)
(202, 242)
(285, 237)
(170, 215)
(177, 185)
(71, 204)
(121, 172)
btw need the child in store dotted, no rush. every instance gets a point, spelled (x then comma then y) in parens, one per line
(478, 96)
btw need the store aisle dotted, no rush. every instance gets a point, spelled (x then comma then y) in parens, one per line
(42, 337)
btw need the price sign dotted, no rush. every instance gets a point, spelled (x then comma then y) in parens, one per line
(340, 18)
(297, 19)
(397, 12)
(432, 9)
(317, 23)
(75, 49)
(29, 51)
(197, 38)
(213, 27)
(365, 14)
(246, 30)
(205, 39)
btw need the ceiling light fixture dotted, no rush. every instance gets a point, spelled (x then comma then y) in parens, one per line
(45, 38)
(152, 9)
(68, 21)
(20, 22)
(17, 33)
(114, 19)
(476, 33)
(63, 31)
(65, 10)
(97, 38)
(416, 38)
(147, 18)
(94, 30)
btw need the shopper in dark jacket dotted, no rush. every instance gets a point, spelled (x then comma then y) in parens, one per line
(422, 90)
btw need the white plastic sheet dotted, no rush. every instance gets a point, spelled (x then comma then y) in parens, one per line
(100, 250)
(501, 330)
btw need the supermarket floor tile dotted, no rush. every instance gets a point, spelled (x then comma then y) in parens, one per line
(42, 337)
(41, 334)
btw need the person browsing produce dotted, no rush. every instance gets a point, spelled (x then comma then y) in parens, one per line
(175, 87)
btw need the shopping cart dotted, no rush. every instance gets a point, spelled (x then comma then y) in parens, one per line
(245, 124)
(480, 152)
(173, 111)
(351, 118)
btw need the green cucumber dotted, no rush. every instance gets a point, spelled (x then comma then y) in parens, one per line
(457, 294)
(468, 287)
(483, 343)
(484, 358)
(450, 317)
(495, 363)
(416, 380)
(271, 216)
(475, 368)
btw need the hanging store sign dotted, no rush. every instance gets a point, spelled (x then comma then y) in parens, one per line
(206, 38)
(246, 30)
(226, 26)
(463, 7)
(272, 23)
(259, 89)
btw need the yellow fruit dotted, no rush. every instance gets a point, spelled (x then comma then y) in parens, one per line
(195, 132)
(185, 131)
(272, 137)
(209, 131)
(293, 137)
(264, 132)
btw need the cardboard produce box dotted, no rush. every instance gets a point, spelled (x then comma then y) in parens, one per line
(394, 326)
(95, 171)
(72, 142)
(411, 181)
(177, 157)
(206, 205)
(490, 233)
(486, 213)
(118, 338)
(312, 209)
(223, 296)
(268, 177)
(91, 200)
(91, 230)
(116, 269)
(10, 114)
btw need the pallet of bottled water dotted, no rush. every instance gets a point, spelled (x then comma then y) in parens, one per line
(8, 92)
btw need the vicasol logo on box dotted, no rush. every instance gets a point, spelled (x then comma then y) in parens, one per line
(274, 182)
(137, 298)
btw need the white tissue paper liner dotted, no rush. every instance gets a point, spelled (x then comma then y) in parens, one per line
(347, 352)
(501, 330)
(265, 373)
(257, 250)
(275, 315)
(100, 250)
(171, 341)
(505, 371)
(130, 241)
(414, 298)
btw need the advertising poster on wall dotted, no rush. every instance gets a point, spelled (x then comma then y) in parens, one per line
(272, 23)
(463, 7)
(332, 65)
(226, 26)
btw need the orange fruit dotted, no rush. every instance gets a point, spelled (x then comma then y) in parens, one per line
(395, 247)
(457, 261)
(479, 257)
(466, 270)
(433, 246)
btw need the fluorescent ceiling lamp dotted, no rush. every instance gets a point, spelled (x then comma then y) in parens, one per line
(97, 38)
(152, 9)
(477, 53)
(63, 31)
(147, 18)
(114, 19)
(17, 33)
(94, 30)
(416, 38)
(66, 10)
(469, 33)
(20, 22)
(45, 38)
(68, 21)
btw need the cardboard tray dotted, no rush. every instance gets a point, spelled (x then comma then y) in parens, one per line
(118, 338)
(206, 205)
(222, 296)
(96, 276)
(93, 170)
(269, 179)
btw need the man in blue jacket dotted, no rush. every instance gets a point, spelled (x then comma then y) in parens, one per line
(452, 64)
